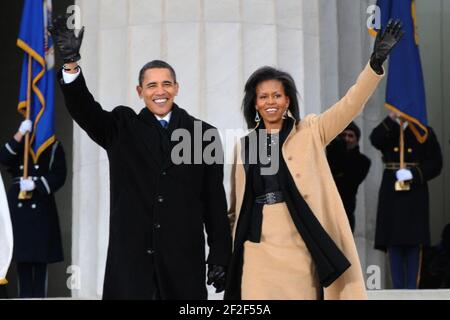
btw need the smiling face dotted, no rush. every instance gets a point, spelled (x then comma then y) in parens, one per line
(271, 103)
(158, 90)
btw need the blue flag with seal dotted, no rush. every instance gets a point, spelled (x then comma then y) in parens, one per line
(405, 91)
(38, 75)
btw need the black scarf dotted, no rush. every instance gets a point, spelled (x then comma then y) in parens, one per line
(328, 259)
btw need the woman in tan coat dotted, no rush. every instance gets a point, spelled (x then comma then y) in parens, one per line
(291, 237)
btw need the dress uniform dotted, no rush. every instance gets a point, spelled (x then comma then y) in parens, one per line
(37, 235)
(402, 225)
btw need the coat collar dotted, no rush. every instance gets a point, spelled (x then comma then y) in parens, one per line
(157, 139)
(148, 117)
(244, 141)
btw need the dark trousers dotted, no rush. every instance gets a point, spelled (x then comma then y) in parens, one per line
(404, 263)
(3, 293)
(32, 280)
(156, 292)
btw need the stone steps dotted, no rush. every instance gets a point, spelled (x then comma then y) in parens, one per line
(436, 294)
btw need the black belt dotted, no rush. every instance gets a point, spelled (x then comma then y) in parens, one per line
(396, 165)
(270, 198)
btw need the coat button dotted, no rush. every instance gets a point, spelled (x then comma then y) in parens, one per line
(36, 167)
(164, 173)
(156, 226)
(33, 206)
(21, 167)
(150, 251)
(19, 205)
(409, 150)
(395, 149)
(35, 178)
(160, 199)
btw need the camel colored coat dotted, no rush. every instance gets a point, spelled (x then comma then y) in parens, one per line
(304, 153)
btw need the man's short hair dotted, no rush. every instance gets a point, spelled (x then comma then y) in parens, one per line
(156, 64)
(353, 127)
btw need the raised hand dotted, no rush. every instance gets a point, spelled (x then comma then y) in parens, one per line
(66, 41)
(384, 43)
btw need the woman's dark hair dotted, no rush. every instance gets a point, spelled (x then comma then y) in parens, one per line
(156, 64)
(264, 74)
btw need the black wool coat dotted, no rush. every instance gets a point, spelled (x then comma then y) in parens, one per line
(159, 209)
(37, 235)
(403, 216)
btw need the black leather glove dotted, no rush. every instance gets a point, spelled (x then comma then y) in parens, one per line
(66, 41)
(384, 43)
(216, 276)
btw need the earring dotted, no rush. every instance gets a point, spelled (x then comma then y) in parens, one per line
(285, 114)
(257, 117)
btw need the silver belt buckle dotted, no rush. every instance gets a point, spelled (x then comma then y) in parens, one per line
(270, 198)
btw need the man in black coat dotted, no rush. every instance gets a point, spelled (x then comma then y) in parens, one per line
(37, 235)
(402, 225)
(162, 196)
(349, 167)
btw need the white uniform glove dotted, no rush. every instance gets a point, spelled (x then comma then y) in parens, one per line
(404, 175)
(27, 184)
(25, 127)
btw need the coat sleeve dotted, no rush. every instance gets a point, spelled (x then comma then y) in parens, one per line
(357, 172)
(216, 221)
(431, 166)
(383, 134)
(10, 153)
(336, 156)
(336, 119)
(56, 176)
(100, 125)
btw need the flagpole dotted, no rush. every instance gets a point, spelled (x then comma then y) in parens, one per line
(402, 185)
(24, 194)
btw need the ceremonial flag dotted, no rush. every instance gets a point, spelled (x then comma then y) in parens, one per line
(405, 91)
(38, 76)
